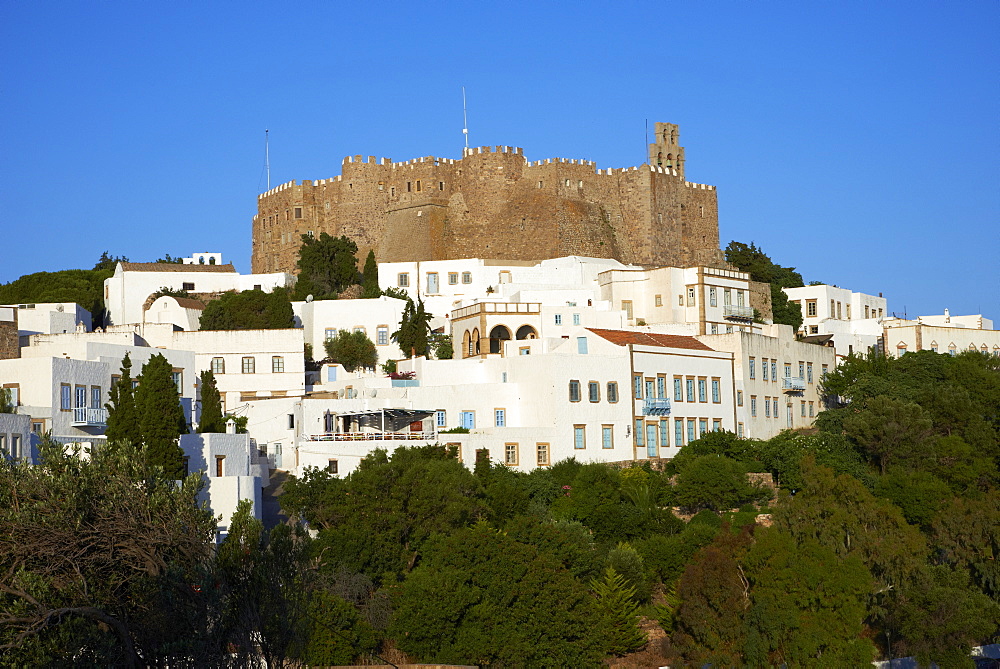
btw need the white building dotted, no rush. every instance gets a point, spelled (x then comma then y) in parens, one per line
(127, 292)
(15, 437)
(852, 320)
(203, 258)
(378, 318)
(777, 379)
(941, 333)
(50, 318)
(183, 312)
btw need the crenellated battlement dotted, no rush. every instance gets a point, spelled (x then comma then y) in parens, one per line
(493, 200)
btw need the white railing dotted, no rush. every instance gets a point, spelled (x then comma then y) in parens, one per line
(793, 383)
(737, 311)
(374, 436)
(656, 406)
(85, 416)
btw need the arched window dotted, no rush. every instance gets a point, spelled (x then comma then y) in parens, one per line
(466, 345)
(984, 349)
(900, 349)
(952, 349)
(659, 158)
(211, 261)
(670, 160)
(475, 342)
(526, 332)
(934, 346)
(498, 335)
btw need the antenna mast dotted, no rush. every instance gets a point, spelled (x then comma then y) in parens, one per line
(267, 159)
(465, 120)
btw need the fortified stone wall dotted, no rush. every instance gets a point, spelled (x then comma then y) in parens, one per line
(9, 342)
(492, 203)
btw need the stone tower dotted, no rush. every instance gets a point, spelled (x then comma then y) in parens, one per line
(494, 203)
(666, 150)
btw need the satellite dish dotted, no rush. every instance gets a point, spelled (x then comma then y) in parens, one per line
(59, 307)
(309, 298)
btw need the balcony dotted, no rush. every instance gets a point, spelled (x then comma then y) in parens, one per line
(793, 384)
(656, 406)
(737, 312)
(83, 417)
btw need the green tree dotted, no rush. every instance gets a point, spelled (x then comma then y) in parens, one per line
(890, 430)
(761, 268)
(123, 420)
(716, 483)
(370, 277)
(104, 563)
(353, 350)
(108, 262)
(620, 613)
(160, 417)
(441, 345)
(211, 405)
(249, 310)
(327, 265)
(481, 597)
(413, 334)
(81, 286)
(6, 401)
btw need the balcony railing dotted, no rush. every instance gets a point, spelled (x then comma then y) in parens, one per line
(737, 311)
(656, 406)
(90, 417)
(793, 384)
(375, 436)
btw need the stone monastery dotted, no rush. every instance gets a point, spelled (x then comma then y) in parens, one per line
(494, 203)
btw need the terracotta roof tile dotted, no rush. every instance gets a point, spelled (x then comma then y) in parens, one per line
(172, 267)
(625, 337)
(188, 303)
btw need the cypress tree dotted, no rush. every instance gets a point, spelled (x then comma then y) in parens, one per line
(161, 417)
(370, 280)
(123, 421)
(211, 405)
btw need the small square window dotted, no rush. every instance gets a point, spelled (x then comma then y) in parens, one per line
(277, 364)
(510, 454)
(452, 278)
(466, 277)
(249, 365)
(403, 280)
(218, 365)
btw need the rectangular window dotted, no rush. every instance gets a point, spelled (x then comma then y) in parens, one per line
(466, 277)
(727, 297)
(219, 466)
(510, 455)
(753, 405)
(811, 308)
(678, 389)
(524, 350)
(187, 285)
(330, 333)
(639, 434)
(691, 301)
(811, 410)
(441, 418)
(277, 364)
(178, 378)
(712, 299)
(750, 367)
(690, 389)
(658, 300)
(774, 370)
(468, 419)
(581, 345)
(661, 386)
(739, 398)
(802, 370)
(594, 391)
(419, 186)
(332, 467)
(809, 372)
(637, 386)
(218, 365)
(823, 374)
(702, 426)
(803, 403)
(717, 425)
(650, 392)
(576, 319)
(678, 432)
(382, 335)
(627, 308)
(702, 390)
(788, 370)
(500, 417)
(579, 436)
(3, 445)
(15, 446)
(664, 436)
(432, 283)
(715, 328)
(607, 436)
(716, 395)
(403, 280)
(452, 278)
(774, 407)
(612, 392)
(81, 397)
(690, 430)
(95, 397)
(739, 430)
(558, 319)
(763, 368)
(291, 421)
(767, 407)
(542, 454)
(574, 391)
(249, 365)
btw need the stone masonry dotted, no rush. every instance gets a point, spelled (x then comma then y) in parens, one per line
(493, 203)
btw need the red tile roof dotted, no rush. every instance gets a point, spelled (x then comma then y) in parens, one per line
(173, 267)
(625, 337)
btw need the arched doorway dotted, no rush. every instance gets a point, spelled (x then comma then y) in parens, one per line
(526, 332)
(498, 335)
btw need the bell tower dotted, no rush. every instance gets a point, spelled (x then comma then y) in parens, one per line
(666, 150)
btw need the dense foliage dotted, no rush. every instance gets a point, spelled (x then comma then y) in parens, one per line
(327, 266)
(211, 419)
(414, 333)
(353, 350)
(82, 286)
(249, 310)
(761, 268)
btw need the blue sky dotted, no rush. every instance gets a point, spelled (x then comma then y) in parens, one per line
(856, 141)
